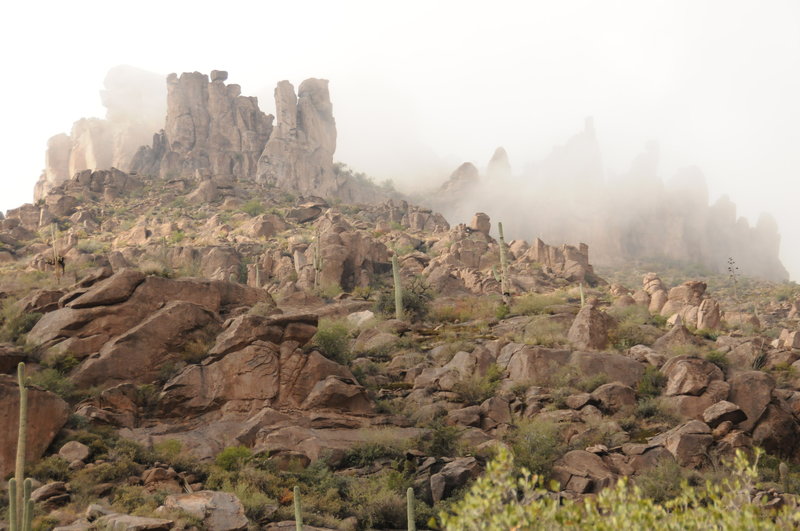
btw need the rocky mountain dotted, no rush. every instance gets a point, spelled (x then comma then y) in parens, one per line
(631, 217)
(205, 334)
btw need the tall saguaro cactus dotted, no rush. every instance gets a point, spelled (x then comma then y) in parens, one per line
(410, 516)
(20, 504)
(503, 268)
(298, 517)
(317, 260)
(398, 289)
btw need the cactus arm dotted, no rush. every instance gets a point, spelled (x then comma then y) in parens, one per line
(398, 289)
(12, 505)
(503, 268)
(583, 300)
(298, 517)
(19, 472)
(27, 513)
(412, 526)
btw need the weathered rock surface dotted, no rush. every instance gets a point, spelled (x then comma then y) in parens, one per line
(218, 511)
(47, 414)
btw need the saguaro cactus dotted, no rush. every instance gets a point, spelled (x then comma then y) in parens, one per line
(298, 517)
(20, 504)
(583, 299)
(411, 517)
(317, 260)
(398, 289)
(503, 268)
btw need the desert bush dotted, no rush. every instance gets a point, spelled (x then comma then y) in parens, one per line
(16, 323)
(333, 339)
(417, 297)
(537, 303)
(661, 482)
(651, 383)
(376, 505)
(156, 268)
(50, 468)
(501, 499)
(233, 458)
(475, 389)
(720, 359)
(441, 440)
(262, 309)
(546, 332)
(654, 409)
(536, 444)
(53, 381)
(590, 383)
(253, 207)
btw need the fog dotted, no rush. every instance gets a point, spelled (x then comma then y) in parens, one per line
(420, 87)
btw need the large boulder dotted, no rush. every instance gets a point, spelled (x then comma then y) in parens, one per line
(218, 511)
(47, 414)
(590, 328)
(689, 376)
(688, 443)
(752, 392)
(139, 354)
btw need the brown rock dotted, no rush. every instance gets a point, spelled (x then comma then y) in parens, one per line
(455, 474)
(590, 328)
(481, 223)
(688, 442)
(138, 354)
(614, 396)
(47, 414)
(678, 336)
(723, 411)
(689, 376)
(74, 451)
(219, 511)
(751, 391)
(777, 432)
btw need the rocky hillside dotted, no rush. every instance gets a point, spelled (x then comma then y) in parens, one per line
(201, 337)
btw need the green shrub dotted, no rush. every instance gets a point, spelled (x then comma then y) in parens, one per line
(661, 482)
(536, 444)
(441, 440)
(546, 332)
(475, 389)
(53, 381)
(537, 303)
(501, 499)
(253, 208)
(333, 339)
(416, 300)
(653, 380)
(719, 359)
(50, 468)
(376, 505)
(16, 323)
(233, 458)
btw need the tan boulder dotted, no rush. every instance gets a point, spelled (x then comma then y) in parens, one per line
(692, 407)
(590, 328)
(678, 337)
(614, 396)
(218, 511)
(723, 411)
(140, 353)
(688, 443)
(481, 223)
(47, 414)
(689, 376)
(751, 391)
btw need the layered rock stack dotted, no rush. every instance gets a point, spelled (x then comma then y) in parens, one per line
(211, 131)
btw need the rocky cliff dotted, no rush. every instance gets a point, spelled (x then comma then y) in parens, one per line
(134, 105)
(633, 216)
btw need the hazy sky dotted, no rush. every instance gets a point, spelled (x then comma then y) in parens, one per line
(418, 87)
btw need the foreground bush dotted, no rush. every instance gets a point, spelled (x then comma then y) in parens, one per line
(502, 500)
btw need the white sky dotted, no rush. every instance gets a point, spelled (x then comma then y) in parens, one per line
(420, 86)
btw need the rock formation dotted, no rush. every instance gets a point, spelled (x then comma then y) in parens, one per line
(632, 216)
(134, 101)
(499, 169)
(211, 130)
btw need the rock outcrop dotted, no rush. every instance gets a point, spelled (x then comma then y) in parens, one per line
(47, 414)
(134, 100)
(211, 131)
